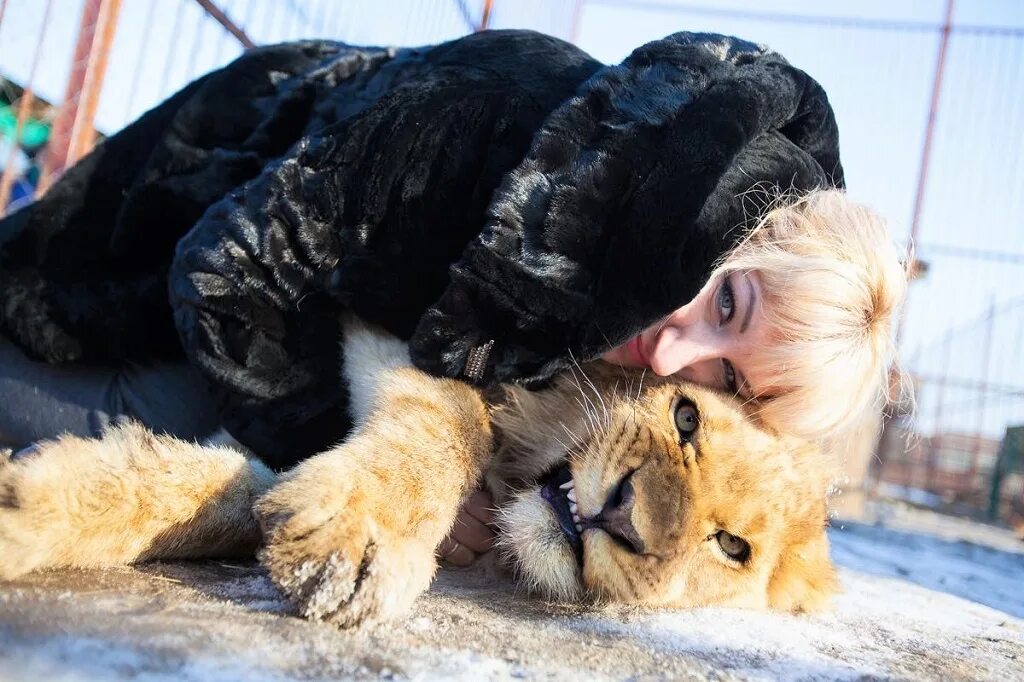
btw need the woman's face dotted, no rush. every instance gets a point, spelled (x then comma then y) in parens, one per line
(715, 340)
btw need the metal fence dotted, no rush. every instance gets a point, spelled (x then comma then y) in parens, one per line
(930, 102)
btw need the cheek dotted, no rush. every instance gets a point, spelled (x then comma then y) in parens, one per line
(620, 355)
(704, 373)
(709, 582)
(616, 576)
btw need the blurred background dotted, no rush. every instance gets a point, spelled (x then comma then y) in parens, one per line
(928, 94)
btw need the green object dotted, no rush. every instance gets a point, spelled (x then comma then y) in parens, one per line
(1010, 459)
(33, 134)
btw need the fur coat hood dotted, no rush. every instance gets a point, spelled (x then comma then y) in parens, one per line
(503, 201)
(630, 191)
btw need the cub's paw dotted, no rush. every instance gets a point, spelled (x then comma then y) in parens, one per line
(341, 548)
(33, 509)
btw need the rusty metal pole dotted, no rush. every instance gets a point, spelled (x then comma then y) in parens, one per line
(485, 16)
(222, 18)
(926, 148)
(73, 131)
(60, 135)
(577, 17)
(922, 181)
(83, 135)
(24, 109)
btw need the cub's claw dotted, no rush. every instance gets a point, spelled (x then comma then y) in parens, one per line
(334, 554)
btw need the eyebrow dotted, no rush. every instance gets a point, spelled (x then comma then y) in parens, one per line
(750, 304)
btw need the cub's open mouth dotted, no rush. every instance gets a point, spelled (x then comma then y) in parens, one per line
(558, 489)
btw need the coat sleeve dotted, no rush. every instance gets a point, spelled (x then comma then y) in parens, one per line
(83, 269)
(630, 192)
(247, 286)
(364, 217)
(51, 250)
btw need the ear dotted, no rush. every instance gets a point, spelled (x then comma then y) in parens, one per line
(804, 579)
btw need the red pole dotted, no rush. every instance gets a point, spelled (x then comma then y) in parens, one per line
(24, 109)
(83, 135)
(59, 149)
(485, 16)
(926, 149)
(577, 16)
(221, 17)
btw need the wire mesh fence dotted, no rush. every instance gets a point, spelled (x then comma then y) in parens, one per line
(930, 102)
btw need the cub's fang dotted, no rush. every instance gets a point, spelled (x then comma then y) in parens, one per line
(568, 485)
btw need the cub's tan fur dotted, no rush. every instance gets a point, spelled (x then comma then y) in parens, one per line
(127, 497)
(349, 535)
(734, 477)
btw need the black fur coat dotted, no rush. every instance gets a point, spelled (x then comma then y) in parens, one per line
(503, 201)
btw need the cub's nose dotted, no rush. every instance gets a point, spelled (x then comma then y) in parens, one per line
(616, 518)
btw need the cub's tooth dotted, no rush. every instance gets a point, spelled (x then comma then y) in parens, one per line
(571, 494)
(579, 527)
(572, 507)
(576, 518)
(568, 485)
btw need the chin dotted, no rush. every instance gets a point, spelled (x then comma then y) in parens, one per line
(537, 537)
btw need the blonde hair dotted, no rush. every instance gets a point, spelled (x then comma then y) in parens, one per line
(833, 284)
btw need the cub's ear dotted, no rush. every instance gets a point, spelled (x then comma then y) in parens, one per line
(804, 579)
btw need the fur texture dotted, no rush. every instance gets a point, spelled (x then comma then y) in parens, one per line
(349, 535)
(128, 497)
(501, 188)
(732, 476)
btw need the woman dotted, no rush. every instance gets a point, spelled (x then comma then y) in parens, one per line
(797, 319)
(503, 201)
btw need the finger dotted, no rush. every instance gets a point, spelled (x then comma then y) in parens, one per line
(481, 506)
(470, 532)
(455, 554)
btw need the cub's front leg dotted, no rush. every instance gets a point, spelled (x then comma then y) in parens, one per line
(350, 534)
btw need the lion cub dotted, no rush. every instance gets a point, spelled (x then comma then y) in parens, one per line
(609, 488)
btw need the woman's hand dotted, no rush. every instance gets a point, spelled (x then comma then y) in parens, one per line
(472, 534)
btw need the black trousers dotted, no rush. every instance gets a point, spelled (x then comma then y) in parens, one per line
(39, 400)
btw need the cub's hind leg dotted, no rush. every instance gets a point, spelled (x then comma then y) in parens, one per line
(126, 497)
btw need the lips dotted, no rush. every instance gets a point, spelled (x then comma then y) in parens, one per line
(639, 354)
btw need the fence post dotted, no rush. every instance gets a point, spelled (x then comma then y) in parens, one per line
(73, 132)
(24, 108)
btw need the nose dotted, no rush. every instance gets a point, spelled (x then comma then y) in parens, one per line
(616, 518)
(676, 348)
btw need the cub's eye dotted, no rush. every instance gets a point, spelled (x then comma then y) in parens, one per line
(686, 419)
(735, 548)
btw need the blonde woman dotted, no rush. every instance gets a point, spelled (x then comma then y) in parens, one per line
(798, 319)
(503, 201)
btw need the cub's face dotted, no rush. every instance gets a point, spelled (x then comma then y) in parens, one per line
(666, 496)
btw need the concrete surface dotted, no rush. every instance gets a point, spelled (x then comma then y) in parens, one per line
(926, 597)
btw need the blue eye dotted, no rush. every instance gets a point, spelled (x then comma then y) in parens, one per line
(726, 301)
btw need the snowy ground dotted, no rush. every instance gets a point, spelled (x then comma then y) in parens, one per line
(926, 597)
